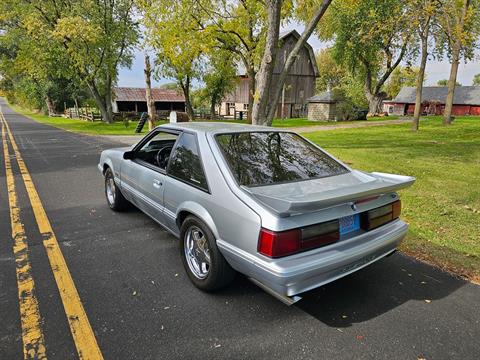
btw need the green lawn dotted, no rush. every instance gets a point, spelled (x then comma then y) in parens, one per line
(119, 128)
(443, 207)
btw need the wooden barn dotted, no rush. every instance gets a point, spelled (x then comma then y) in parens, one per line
(299, 86)
(465, 102)
(128, 99)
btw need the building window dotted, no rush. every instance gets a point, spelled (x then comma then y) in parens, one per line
(245, 106)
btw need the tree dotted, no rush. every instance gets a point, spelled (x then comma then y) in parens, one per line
(335, 75)
(148, 93)
(331, 73)
(239, 28)
(220, 78)
(371, 38)
(401, 76)
(459, 21)
(264, 107)
(423, 16)
(170, 86)
(444, 82)
(178, 40)
(88, 39)
(476, 80)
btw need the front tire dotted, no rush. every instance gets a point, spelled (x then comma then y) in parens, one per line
(115, 198)
(205, 265)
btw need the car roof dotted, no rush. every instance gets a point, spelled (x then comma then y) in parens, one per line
(216, 127)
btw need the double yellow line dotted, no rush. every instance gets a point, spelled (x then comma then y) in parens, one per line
(33, 339)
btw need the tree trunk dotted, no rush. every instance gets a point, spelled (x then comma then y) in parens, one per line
(292, 57)
(251, 92)
(420, 78)
(148, 93)
(265, 73)
(186, 92)
(213, 102)
(50, 105)
(375, 102)
(447, 115)
(101, 101)
(452, 81)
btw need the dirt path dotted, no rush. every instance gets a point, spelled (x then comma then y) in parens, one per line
(304, 129)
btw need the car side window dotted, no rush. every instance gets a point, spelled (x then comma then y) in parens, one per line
(157, 150)
(186, 164)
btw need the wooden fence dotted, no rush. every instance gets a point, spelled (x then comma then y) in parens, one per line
(84, 113)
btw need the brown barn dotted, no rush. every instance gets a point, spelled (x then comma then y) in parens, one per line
(128, 99)
(299, 86)
(465, 102)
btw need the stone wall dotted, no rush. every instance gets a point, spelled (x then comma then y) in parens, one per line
(321, 111)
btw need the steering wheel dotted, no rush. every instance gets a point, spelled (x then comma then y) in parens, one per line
(163, 155)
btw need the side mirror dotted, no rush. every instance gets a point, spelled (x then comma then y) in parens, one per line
(128, 155)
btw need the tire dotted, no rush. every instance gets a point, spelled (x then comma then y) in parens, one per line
(214, 272)
(115, 199)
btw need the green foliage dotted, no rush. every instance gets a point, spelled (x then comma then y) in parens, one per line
(331, 73)
(401, 76)
(476, 80)
(335, 75)
(457, 28)
(170, 86)
(444, 82)
(176, 37)
(77, 41)
(220, 77)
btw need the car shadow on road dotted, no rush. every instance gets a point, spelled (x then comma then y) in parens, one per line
(377, 289)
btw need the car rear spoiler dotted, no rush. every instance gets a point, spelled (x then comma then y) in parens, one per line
(382, 184)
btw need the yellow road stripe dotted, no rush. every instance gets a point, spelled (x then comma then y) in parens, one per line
(82, 332)
(32, 336)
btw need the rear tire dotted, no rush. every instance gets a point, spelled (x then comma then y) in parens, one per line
(115, 199)
(205, 265)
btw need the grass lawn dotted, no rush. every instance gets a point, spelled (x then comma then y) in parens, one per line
(119, 128)
(443, 206)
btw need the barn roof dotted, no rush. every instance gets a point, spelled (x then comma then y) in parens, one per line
(311, 54)
(241, 68)
(464, 95)
(324, 97)
(138, 94)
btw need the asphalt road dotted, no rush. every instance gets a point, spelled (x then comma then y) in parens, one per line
(140, 304)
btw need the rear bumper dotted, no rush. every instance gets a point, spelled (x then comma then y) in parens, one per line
(305, 271)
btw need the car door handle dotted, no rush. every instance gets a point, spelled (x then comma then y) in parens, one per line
(157, 183)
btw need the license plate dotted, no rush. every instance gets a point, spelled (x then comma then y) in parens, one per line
(349, 224)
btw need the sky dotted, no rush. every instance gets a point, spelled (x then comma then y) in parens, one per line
(436, 70)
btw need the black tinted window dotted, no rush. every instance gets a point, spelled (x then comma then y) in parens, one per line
(157, 150)
(261, 158)
(185, 162)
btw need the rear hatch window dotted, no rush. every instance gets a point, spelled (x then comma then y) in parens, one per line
(266, 158)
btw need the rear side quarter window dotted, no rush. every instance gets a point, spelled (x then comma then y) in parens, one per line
(186, 164)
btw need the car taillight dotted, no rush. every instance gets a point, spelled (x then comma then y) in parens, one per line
(377, 217)
(277, 244)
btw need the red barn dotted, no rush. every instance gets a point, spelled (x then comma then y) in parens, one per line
(465, 102)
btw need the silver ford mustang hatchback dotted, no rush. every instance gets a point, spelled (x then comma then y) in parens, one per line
(264, 202)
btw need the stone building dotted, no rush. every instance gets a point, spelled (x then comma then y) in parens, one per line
(322, 107)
